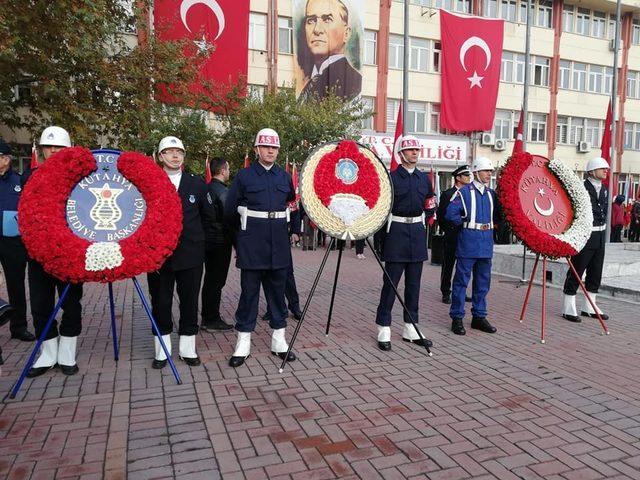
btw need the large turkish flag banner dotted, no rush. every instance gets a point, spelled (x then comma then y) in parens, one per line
(219, 29)
(471, 58)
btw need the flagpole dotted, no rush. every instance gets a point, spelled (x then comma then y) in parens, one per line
(525, 110)
(614, 105)
(405, 69)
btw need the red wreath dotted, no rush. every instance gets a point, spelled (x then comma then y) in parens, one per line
(327, 184)
(49, 240)
(536, 240)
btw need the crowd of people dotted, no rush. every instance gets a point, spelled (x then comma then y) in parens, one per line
(254, 217)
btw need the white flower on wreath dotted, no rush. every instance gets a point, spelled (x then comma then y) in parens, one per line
(102, 255)
(580, 229)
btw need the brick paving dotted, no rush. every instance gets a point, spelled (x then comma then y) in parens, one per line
(484, 406)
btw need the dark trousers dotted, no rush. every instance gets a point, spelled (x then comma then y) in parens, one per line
(448, 262)
(187, 284)
(591, 260)
(273, 283)
(412, 275)
(216, 265)
(42, 295)
(481, 270)
(13, 257)
(616, 234)
(634, 232)
(359, 246)
(290, 293)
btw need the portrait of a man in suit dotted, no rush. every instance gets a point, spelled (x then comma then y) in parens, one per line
(322, 52)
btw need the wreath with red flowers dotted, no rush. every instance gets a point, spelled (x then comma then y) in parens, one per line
(50, 241)
(565, 244)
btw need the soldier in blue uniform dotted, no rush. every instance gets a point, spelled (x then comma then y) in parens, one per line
(404, 243)
(13, 255)
(257, 208)
(183, 269)
(56, 349)
(591, 257)
(473, 208)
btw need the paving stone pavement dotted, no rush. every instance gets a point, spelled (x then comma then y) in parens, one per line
(484, 406)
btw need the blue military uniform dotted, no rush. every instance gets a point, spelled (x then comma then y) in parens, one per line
(405, 242)
(262, 240)
(474, 209)
(13, 255)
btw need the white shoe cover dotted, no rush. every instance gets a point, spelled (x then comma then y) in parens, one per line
(587, 306)
(243, 345)
(48, 354)
(159, 351)
(410, 333)
(67, 351)
(384, 334)
(569, 307)
(278, 342)
(188, 346)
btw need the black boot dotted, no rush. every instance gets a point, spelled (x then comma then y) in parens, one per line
(481, 323)
(457, 327)
(446, 298)
(216, 326)
(235, 362)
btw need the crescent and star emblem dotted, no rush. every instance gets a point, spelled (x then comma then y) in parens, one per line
(544, 212)
(475, 79)
(214, 6)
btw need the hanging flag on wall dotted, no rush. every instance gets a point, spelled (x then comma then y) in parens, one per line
(471, 58)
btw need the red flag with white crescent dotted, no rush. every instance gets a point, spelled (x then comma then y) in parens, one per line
(471, 57)
(605, 147)
(395, 157)
(517, 146)
(207, 171)
(217, 29)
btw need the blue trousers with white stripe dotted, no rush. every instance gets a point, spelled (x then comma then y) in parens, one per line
(481, 270)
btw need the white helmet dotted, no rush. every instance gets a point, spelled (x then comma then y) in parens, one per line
(170, 142)
(408, 142)
(595, 163)
(55, 137)
(267, 137)
(482, 163)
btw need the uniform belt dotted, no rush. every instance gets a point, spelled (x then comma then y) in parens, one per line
(407, 220)
(478, 226)
(599, 228)
(245, 213)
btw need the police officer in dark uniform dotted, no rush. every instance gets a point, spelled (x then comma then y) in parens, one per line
(591, 257)
(462, 176)
(405, 243)
(219, 243)
(13, 255)
(56, 349)
(257, 206)
(183, 269)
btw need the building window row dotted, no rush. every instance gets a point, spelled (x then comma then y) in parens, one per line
(424, 54)
(516, 11)
(573, 130)
(585, 21)
(462, 6)
(633, 84)
(512, 69)
(585, 77)
(631, 136)
(422, 117)
(505, 125)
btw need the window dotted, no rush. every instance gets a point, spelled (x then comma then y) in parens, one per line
(596, 77)
(567, 18)
(632, 84)
(392, 114)
(523, 11)
(508, 10)
(285, 35)
(128, 24)
(491, 8)
(443, 4)
(502, 124)
(435, 62)
(422, 3)
(256, 91)
(545, 9)
(635, 31)
(417, 117)
(396, 51)
(575, 132)
(562, 130)
(541, 71)
(367, 107)
(592, 132)
(537, 132)
(463, 6)
(611, 27)
(598, 22)
(608, 79)
(565, 74)
(579, 77)
(512, 67)
(257, 31)
(434, 118)
(370, 47)
(418, 54)
(582, 21)
(628, 136)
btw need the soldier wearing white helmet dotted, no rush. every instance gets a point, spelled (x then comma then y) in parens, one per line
(473, 208)
(183, 269)
(591, 257)
(59, 347)
(256, 207)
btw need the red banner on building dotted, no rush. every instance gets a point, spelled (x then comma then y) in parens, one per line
(471, 57)
(219, 29)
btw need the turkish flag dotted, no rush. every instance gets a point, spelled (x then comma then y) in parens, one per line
(517, 146)
(471, 57)
(605, 147)
(395, 156)
(217, 29)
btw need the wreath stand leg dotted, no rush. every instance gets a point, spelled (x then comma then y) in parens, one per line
(307, 303)
(156, 330)
(543, 314)
(395, 290)
(526, 297)
(114, 328)
(586, 294)
(333, 292)
(32, 358)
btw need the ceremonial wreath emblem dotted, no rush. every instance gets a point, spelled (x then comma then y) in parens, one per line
(100, 216)
(546, 204)
(346, 190)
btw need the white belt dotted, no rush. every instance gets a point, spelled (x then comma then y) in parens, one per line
(478, 226)
(601, 228)
(245, 213)
(408, 220)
